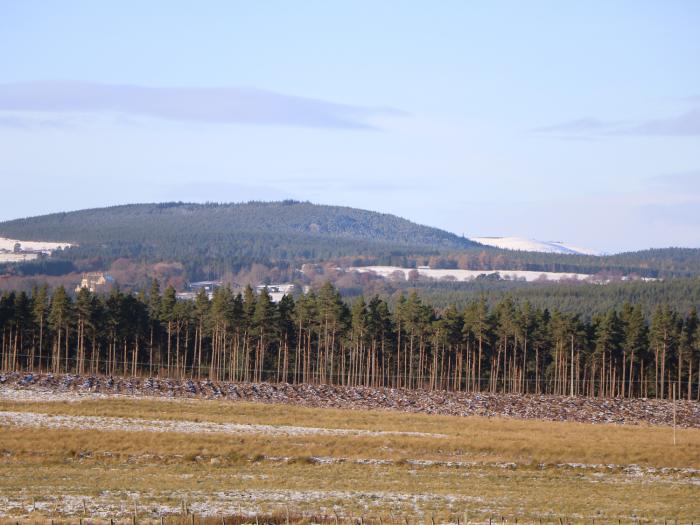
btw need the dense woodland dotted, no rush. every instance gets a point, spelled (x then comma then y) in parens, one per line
(584, 299)
(214, 239)
(510, 346)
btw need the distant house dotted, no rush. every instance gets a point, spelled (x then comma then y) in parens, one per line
(93, 281)
(276, 291)
(194, 288)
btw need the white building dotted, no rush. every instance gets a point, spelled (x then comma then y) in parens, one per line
(276, 291)
(92, 281)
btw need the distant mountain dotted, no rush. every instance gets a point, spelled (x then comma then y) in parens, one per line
(532, 245)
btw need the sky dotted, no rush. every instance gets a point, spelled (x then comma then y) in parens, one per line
(561, 121)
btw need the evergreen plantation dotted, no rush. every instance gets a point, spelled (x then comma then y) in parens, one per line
(510, 346)
(583, 299)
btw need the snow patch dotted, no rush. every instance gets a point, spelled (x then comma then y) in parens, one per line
(38, 420)
(36, 246)
(532, 245)
(468, 275)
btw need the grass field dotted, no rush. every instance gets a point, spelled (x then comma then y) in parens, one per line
(111, 457)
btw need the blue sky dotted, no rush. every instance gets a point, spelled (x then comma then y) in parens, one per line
(568, 121)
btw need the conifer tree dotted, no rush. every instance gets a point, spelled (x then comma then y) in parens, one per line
(59, 318)
(40, 306)
(167, 316)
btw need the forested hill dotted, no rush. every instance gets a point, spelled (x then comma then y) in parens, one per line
(143, 222)
(253, 231)
(229, 237)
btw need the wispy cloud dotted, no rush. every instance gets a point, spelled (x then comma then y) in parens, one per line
(582, 125)
(686, 124)
(228, 105)
(686, 183)
(23, 122)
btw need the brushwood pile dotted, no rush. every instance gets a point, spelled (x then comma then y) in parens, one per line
(634, 411)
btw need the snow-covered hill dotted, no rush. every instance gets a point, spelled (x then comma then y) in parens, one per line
(532, 245)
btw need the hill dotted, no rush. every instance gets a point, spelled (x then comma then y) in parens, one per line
(149, 222)
(239, 234)
(210, 239)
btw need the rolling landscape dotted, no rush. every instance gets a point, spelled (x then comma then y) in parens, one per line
(349, 264)
(375, 366)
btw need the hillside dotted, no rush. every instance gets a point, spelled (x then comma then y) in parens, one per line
(237, 233)
(151, 222)
(210, 239)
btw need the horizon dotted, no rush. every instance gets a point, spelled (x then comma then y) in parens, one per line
(575, 123)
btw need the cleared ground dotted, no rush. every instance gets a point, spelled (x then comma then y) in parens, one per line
(112, 456)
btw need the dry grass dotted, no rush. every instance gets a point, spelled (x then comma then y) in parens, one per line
(503, 440)
(508, 466)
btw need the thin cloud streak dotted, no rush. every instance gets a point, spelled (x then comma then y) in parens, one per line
(687, 183)
(228, 105)
(582, 125)
(686, 124)
(25, 123)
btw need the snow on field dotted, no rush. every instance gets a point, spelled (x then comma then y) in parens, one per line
(38, 420)
(468, 275)
(39, 246)
(17, 257)
(532, 245)
(246, 502)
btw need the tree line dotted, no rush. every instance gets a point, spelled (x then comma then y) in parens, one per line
(510, 346)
